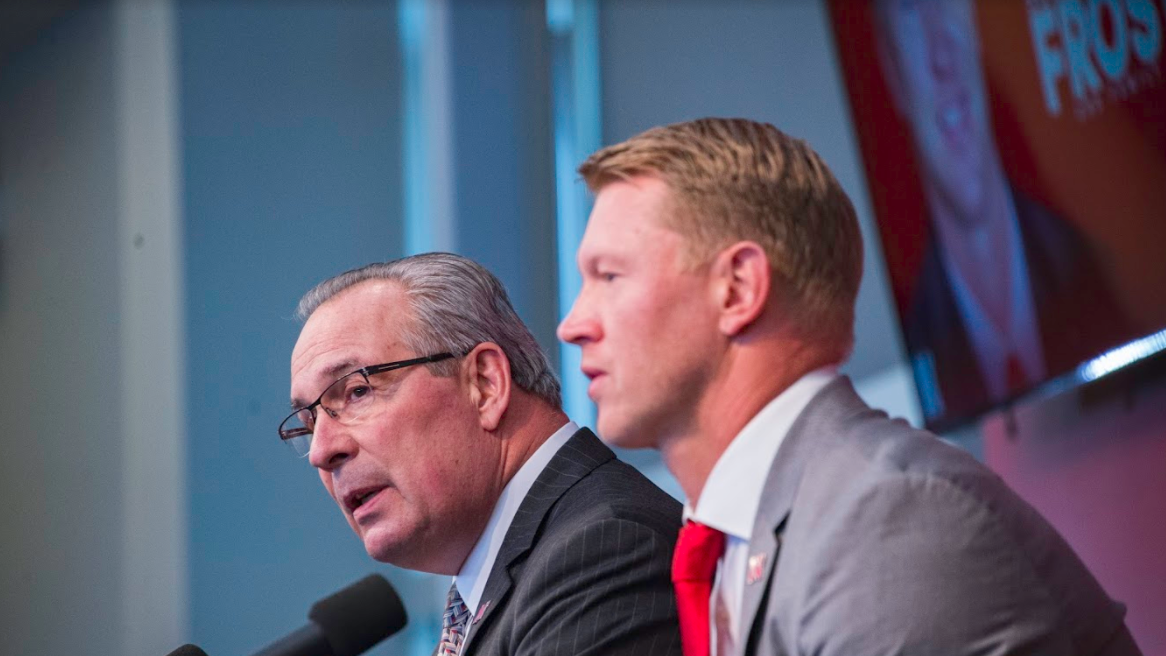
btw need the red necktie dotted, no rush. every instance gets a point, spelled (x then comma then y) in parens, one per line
(693, 565)
(1017, 379)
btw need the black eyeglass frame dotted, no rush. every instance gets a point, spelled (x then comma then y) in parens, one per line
(365, 372)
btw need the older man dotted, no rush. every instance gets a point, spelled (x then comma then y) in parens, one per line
(998, 304)
(720, 268)
(434, 420)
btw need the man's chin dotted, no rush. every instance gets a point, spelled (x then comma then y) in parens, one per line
(623, 435)
(383, 547)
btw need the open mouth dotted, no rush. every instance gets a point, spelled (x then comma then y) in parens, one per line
(358, 498)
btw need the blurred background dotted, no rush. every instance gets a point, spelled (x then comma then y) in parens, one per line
(175, 174)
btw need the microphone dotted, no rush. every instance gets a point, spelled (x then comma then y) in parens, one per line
(345, 623)
(187, 650)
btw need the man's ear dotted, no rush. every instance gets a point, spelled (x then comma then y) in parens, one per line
(487, 371)
(743, 277)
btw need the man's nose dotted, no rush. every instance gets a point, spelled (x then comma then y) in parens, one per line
(332, 442)
(941, 41)
(578, 325)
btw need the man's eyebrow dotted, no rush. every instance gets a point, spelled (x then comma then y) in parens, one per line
(333, 372)
(600, 260)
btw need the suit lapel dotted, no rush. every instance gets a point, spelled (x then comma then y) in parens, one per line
(807, 434)
(581, 454)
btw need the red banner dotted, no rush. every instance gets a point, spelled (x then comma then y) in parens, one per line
(1007, 144)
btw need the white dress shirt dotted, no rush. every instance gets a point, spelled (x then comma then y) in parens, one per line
(471, 580)
(732, 494)
(995, 344)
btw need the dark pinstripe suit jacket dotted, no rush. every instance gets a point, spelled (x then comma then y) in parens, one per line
(585, 566)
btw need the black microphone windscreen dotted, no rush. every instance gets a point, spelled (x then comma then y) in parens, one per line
(187, 650)
(359, 616)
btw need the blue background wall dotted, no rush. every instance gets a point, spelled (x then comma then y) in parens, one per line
(290, 131)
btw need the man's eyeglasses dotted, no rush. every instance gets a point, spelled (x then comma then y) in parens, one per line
(346, 400)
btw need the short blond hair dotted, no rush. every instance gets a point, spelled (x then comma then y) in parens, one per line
(736, 179)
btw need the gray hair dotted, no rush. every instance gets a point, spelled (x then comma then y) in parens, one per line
(457, 304)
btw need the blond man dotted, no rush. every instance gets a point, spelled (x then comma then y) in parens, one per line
(720, 268)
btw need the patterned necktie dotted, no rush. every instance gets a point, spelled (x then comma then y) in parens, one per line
(693, 565)
(453, 623)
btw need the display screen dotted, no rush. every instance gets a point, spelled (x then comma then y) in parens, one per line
(1016, 158)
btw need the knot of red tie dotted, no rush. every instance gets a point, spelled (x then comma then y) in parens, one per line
(694, 564)
(697, 550)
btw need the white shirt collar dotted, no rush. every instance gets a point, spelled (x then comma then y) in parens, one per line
(471, 580)
(732, 493)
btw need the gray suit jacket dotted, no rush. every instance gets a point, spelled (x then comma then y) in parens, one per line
(585, 567)
(875, 538)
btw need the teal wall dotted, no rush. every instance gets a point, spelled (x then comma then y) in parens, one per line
(291, 173)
